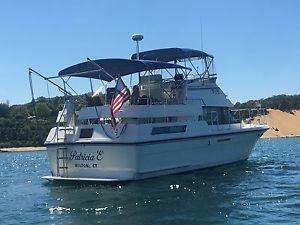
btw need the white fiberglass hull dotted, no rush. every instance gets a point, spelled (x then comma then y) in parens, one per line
(127, 161)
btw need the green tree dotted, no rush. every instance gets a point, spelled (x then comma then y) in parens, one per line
(4, 110)
(43, 110)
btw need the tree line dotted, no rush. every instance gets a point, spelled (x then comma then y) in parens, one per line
(285, 103)
(29, 124)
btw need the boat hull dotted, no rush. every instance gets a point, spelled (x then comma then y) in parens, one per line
(132, 161)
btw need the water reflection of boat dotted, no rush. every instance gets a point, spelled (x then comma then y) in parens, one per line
(177, 119)
(170, 198)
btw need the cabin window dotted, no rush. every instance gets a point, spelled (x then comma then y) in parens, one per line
(158, 120)
(216, 115)
(95, 121)
(168, 130)
(86, 133)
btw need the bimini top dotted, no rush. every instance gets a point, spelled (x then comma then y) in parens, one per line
(109, 69)
(171, 54)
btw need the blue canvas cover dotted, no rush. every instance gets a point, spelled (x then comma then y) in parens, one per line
(171, 54)
(109, 69)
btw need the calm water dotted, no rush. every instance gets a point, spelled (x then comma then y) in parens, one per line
(263, 190)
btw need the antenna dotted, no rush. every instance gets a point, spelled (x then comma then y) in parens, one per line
(201, 35)
(202, 48)
(137, 38)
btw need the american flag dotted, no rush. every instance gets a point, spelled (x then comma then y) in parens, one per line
(121, 95)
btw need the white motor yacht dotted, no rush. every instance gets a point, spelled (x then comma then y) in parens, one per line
(173, 119)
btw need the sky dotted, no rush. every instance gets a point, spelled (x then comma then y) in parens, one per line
(256, 43)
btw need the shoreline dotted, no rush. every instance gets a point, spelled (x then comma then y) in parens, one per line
(23, 149)
(273, 137)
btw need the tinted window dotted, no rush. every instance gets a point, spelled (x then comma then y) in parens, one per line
(168, 129)
(86, 133)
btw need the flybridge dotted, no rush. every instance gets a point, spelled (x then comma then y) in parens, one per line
(153, 69)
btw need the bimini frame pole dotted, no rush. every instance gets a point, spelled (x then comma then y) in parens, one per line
(99, 67)
(102, 69)
(31, 89)
(48, 79)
